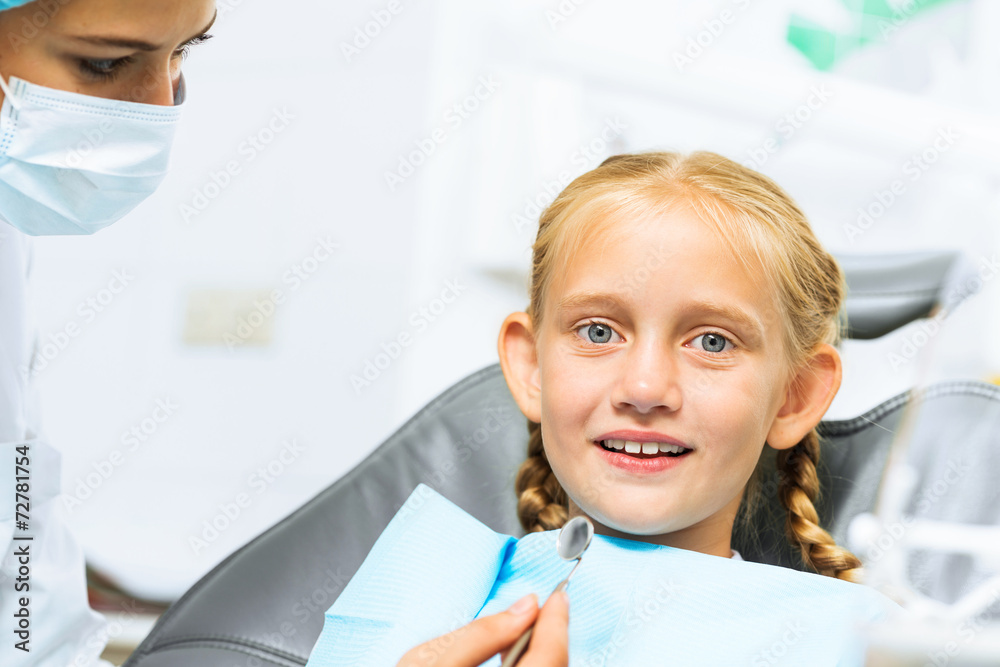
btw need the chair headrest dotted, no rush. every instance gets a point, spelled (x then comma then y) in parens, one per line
(887, 291)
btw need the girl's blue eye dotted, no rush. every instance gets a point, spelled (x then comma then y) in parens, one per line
(598, 332)
(713, 342)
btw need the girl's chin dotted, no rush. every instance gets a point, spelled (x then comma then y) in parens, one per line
(634, 528)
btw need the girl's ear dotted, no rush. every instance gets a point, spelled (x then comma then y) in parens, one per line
(519, 362)
(809, 395)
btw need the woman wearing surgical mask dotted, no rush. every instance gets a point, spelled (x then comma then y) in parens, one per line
(91, 93)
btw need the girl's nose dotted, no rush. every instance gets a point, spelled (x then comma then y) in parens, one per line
(648, 380)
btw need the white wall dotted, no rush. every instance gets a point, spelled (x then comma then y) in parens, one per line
(323, 176)
(320, 177)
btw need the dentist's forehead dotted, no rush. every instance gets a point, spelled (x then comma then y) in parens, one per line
(143, 25)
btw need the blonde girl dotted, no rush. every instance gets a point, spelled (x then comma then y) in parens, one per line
(679, 340)
(680, 306)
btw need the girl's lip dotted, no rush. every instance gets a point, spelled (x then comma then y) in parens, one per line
(640, 465)
(642, 436)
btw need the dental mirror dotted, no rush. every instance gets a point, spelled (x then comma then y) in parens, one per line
(573, 540)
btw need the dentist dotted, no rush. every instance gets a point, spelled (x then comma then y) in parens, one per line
(91, 93)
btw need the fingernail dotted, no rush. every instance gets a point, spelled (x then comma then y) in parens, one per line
(524, 605)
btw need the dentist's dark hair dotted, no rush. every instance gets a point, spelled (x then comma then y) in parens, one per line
(769, 233)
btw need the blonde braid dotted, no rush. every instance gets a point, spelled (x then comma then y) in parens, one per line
(798, 489)
(541, 500)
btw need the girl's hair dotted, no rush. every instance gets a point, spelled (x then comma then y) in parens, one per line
(768, 232)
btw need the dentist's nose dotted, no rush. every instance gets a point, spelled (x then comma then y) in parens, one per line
(162, 90)
(649, 380)
(154, 85)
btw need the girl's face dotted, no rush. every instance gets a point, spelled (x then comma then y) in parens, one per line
(117, 49)
(657, 334)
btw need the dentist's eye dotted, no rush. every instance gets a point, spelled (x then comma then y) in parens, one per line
(106, 69)
(184, 49)
(597, 332)
(713, 342)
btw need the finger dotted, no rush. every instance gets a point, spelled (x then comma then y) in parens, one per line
(476, 642)
(550, 641)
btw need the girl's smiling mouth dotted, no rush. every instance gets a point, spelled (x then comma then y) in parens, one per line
(641, 452)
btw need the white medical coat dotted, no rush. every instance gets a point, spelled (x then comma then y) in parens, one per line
(63, 629)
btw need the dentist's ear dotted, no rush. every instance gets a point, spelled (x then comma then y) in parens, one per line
(519, 362)
(808, 396)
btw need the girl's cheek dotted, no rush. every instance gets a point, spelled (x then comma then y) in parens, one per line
(760, 398)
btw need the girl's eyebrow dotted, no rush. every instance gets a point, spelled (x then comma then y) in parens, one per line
(598, 300)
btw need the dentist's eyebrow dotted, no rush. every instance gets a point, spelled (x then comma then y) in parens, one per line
(138, 44)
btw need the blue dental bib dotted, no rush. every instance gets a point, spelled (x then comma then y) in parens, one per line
(435, 568)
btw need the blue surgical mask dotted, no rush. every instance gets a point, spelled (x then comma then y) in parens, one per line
(74, 164)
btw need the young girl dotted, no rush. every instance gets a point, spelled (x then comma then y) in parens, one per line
(683, 301)
(681, 327)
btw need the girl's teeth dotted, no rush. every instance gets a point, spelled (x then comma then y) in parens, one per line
(649, 448)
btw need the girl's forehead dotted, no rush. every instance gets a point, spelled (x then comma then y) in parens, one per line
(638, 242)
(674, 253)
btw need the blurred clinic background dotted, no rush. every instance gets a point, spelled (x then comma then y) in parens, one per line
(355, 189)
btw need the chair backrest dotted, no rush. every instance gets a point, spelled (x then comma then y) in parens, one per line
(266, 601)
(265, 604)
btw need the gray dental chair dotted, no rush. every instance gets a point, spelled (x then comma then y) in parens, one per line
(264, 605)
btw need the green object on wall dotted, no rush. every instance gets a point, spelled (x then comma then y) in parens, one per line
(874, 20)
